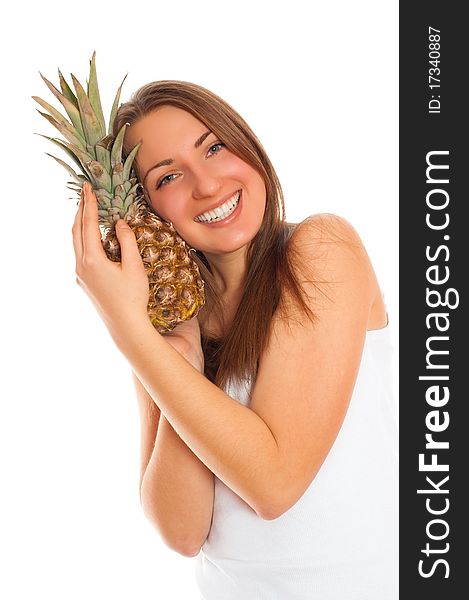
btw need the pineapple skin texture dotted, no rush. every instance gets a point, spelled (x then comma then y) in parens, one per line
(176, 287)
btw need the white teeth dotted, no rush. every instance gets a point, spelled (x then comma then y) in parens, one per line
(221, 212)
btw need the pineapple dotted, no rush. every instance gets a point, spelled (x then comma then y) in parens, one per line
(176, 287)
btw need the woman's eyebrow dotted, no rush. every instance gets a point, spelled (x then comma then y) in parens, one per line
(169, 161)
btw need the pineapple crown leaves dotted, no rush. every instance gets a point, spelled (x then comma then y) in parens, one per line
(96, 152)
(93, 95)
(71, 107)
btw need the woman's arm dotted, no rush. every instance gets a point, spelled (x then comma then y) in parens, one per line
(176, 489)
(267, 453)
(150, 416)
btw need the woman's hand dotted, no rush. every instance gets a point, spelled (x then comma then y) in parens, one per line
(119, 291)
(185, 338)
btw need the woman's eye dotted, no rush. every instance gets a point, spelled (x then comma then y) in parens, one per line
(165, 180)
(217, 147)
(214, 149)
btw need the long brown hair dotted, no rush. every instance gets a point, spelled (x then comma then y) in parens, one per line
(271, 263)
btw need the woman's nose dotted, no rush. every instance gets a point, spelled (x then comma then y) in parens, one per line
(205, 183)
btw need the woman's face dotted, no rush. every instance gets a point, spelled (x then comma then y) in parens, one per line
(187, 171)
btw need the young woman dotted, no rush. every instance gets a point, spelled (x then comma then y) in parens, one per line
(268, 437)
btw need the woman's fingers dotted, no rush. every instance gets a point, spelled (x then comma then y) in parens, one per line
(91, 234)
(86, 233)
(130, 255)
(77, 233)
(89, 251)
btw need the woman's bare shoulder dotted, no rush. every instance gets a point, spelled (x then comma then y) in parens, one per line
(328, 242)
(325, 227)
(333, 251)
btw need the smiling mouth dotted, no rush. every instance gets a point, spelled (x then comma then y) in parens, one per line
(221, 212)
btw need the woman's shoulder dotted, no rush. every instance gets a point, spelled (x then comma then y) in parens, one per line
(327, 248)
(327, 227)
(327, 239)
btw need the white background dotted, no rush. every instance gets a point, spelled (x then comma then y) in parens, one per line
(317, 81)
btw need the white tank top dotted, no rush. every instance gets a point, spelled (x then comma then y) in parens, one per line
(340, 540)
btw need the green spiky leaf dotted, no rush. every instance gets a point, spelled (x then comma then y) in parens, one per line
(100, 175)
(117, 175)
(105, 194)
(118, 202)
(54, 113)
(73, 139)
(93, 94)
(67, 90)
(91, 125)
(115, 106)
(116, 153)
(128, 201)
(82, 156)
(69, 106)
(64, 146)
(103, 156)
(129, 162)
(65, 165)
